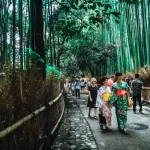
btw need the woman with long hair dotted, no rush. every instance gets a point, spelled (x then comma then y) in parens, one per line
(119, 98)
(104, 93)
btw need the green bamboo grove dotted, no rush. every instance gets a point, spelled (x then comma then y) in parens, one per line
(35, 30)
(131, 35)
(26, 32)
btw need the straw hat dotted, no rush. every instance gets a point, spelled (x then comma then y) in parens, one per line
(93, 80)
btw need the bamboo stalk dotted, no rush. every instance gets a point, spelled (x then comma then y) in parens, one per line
(146, 88)
(21, 90)
(8, 130)
(56, 99)
(58, 122)
(13, 127)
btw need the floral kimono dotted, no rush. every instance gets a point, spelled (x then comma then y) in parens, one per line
(120, 103)
(104, 104)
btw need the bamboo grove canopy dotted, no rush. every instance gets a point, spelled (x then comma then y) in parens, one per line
(96, 36)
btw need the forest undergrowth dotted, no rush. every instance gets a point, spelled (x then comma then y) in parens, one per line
(22, 94)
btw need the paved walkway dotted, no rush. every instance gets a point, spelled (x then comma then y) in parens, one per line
(138, 127)
(81, 133)
(74, 132)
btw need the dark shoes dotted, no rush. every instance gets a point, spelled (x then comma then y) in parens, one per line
(139, 112)
(123, 131)
(108, 129)
(101, 126)
(95, 117)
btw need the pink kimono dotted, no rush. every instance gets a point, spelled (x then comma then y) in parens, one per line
(104, 105)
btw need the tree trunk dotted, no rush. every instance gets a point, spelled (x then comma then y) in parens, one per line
(39, 43)
(20, 34)
(14, 33)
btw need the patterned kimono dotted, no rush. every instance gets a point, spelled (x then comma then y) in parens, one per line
(120, 103)
(104, 105)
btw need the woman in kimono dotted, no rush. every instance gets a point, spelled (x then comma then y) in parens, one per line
(105, 110)
(119, 98)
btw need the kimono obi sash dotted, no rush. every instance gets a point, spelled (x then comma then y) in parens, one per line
(120, 93)
(106, 96)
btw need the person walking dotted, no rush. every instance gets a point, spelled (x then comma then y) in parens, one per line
(136, 87)
(127, 80)
(82, 86)
(66, 85)
(92, 98)
(73, 88)
(77, 87)
(111, 81)
(69, 87)
(105, 110)
(130, 82)
(120, 90)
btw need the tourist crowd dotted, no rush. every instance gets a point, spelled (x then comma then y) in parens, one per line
(113, 92)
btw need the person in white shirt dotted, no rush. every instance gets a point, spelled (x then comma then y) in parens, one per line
(82, 86)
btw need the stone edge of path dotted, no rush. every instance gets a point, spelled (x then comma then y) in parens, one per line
(87, 123)
(148, 109)
(66, 131)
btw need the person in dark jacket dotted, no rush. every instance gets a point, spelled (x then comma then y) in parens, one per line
(136, 86)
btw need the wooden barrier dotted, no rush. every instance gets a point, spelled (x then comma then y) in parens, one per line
(146, 93)
(13, 127)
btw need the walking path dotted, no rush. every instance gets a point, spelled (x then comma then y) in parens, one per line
(138, 127)
(74, 132)
(81, 133)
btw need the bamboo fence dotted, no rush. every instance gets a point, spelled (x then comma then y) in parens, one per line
(146, 93)
(13, 127)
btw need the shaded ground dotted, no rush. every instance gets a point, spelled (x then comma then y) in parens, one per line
(74, 131)
(138, 128)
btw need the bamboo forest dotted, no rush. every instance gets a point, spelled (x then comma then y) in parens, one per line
(45, 43)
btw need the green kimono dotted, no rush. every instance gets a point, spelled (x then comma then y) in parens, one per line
(121, 103)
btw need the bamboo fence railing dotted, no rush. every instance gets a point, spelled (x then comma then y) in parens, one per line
(146, 93)
(13, 127)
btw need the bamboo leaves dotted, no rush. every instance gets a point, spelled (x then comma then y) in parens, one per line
(131, 1)
(114, 21)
